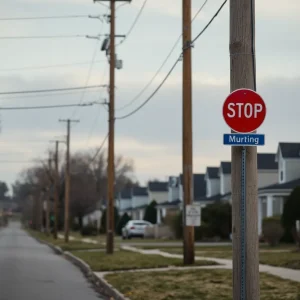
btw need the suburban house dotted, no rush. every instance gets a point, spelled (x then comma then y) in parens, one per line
(171, 204)
(158, 191)
(212, 180)
(140, 200)
(124, 203)
(271, 197)
(267, 171)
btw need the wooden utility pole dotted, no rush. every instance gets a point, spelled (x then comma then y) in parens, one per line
(48, 197)
(111, 119)
(187, 136)
(56, 189)
(111, 138)
(67, 180)
(243, 75)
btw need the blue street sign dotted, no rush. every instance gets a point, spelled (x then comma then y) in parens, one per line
(238, 139)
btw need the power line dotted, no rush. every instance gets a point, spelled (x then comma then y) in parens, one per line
(44, 106)
(44, 17)
(152, 95)
(99, 149)
(173, 67)
(51, 90)
(90, 68)
(49, 66)
(135, 20)
(42, 37)
(50, 94)
(162, 65)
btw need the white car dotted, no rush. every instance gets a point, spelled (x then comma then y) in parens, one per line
(135, 228)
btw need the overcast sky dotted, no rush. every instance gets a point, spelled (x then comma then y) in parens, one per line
(151, 137)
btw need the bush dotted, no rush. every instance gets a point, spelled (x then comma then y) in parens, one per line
(151, 213)
(217, 219)
(272, 230)
(175, 223)
(123, 221)
(89, 230)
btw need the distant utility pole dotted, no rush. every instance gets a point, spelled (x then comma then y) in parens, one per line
(187, 136)
(67, 179)
(48, 197)
(244, 159)
(109, 47)
(56, 189)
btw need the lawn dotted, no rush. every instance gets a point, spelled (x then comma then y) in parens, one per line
(72, 245)
(126, 260)
(196, 285)
(267, 256)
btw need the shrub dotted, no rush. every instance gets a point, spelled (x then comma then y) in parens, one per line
(89, 230)
(123, 221)
(151, 213)
(272, 230)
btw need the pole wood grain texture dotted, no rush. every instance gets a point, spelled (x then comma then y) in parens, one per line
(187, 134)
(242, 75)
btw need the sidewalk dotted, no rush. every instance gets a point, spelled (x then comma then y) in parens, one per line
(283, 273)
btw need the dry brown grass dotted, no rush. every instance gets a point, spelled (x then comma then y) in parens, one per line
(196, 285)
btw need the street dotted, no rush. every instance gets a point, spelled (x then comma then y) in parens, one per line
(31, 271)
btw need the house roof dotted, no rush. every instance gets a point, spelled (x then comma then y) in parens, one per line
(282, 186)
(290, 150)
(139, 191)
(266, 161)
(158, 186)
(212, 172)
(168, 203)
(226, 167)
(126, 193)
(199, 185)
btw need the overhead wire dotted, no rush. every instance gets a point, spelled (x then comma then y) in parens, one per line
(45, 106)
(173, 67)
(50, 94)
(51, 90)
(98, 114)
(135, 21)
(42, 37)
(44, 17)
(162, 65)
(49, 66)
(91, 66)
(99, 149)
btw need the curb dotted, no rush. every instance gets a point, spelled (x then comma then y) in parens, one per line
(57, 250)
(101, 284)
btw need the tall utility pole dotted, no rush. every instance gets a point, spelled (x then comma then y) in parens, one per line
(187, 136)
(56, 189)
(110, 48)
(243, 75)
(67, 179)
(48, 197)
(111, 138)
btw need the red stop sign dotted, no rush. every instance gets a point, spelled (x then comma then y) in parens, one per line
(244, 111)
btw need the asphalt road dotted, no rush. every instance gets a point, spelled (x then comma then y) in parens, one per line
(31, 271)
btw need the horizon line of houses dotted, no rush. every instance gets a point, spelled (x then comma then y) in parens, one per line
(278, 174)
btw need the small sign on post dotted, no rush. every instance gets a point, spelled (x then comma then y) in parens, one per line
(193, 215)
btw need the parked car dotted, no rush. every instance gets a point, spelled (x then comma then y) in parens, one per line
(135, 228)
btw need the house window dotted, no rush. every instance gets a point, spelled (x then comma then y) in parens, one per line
(281, 175)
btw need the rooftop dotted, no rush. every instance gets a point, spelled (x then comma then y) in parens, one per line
(158, 186)
(290, 150)
(212, 172)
